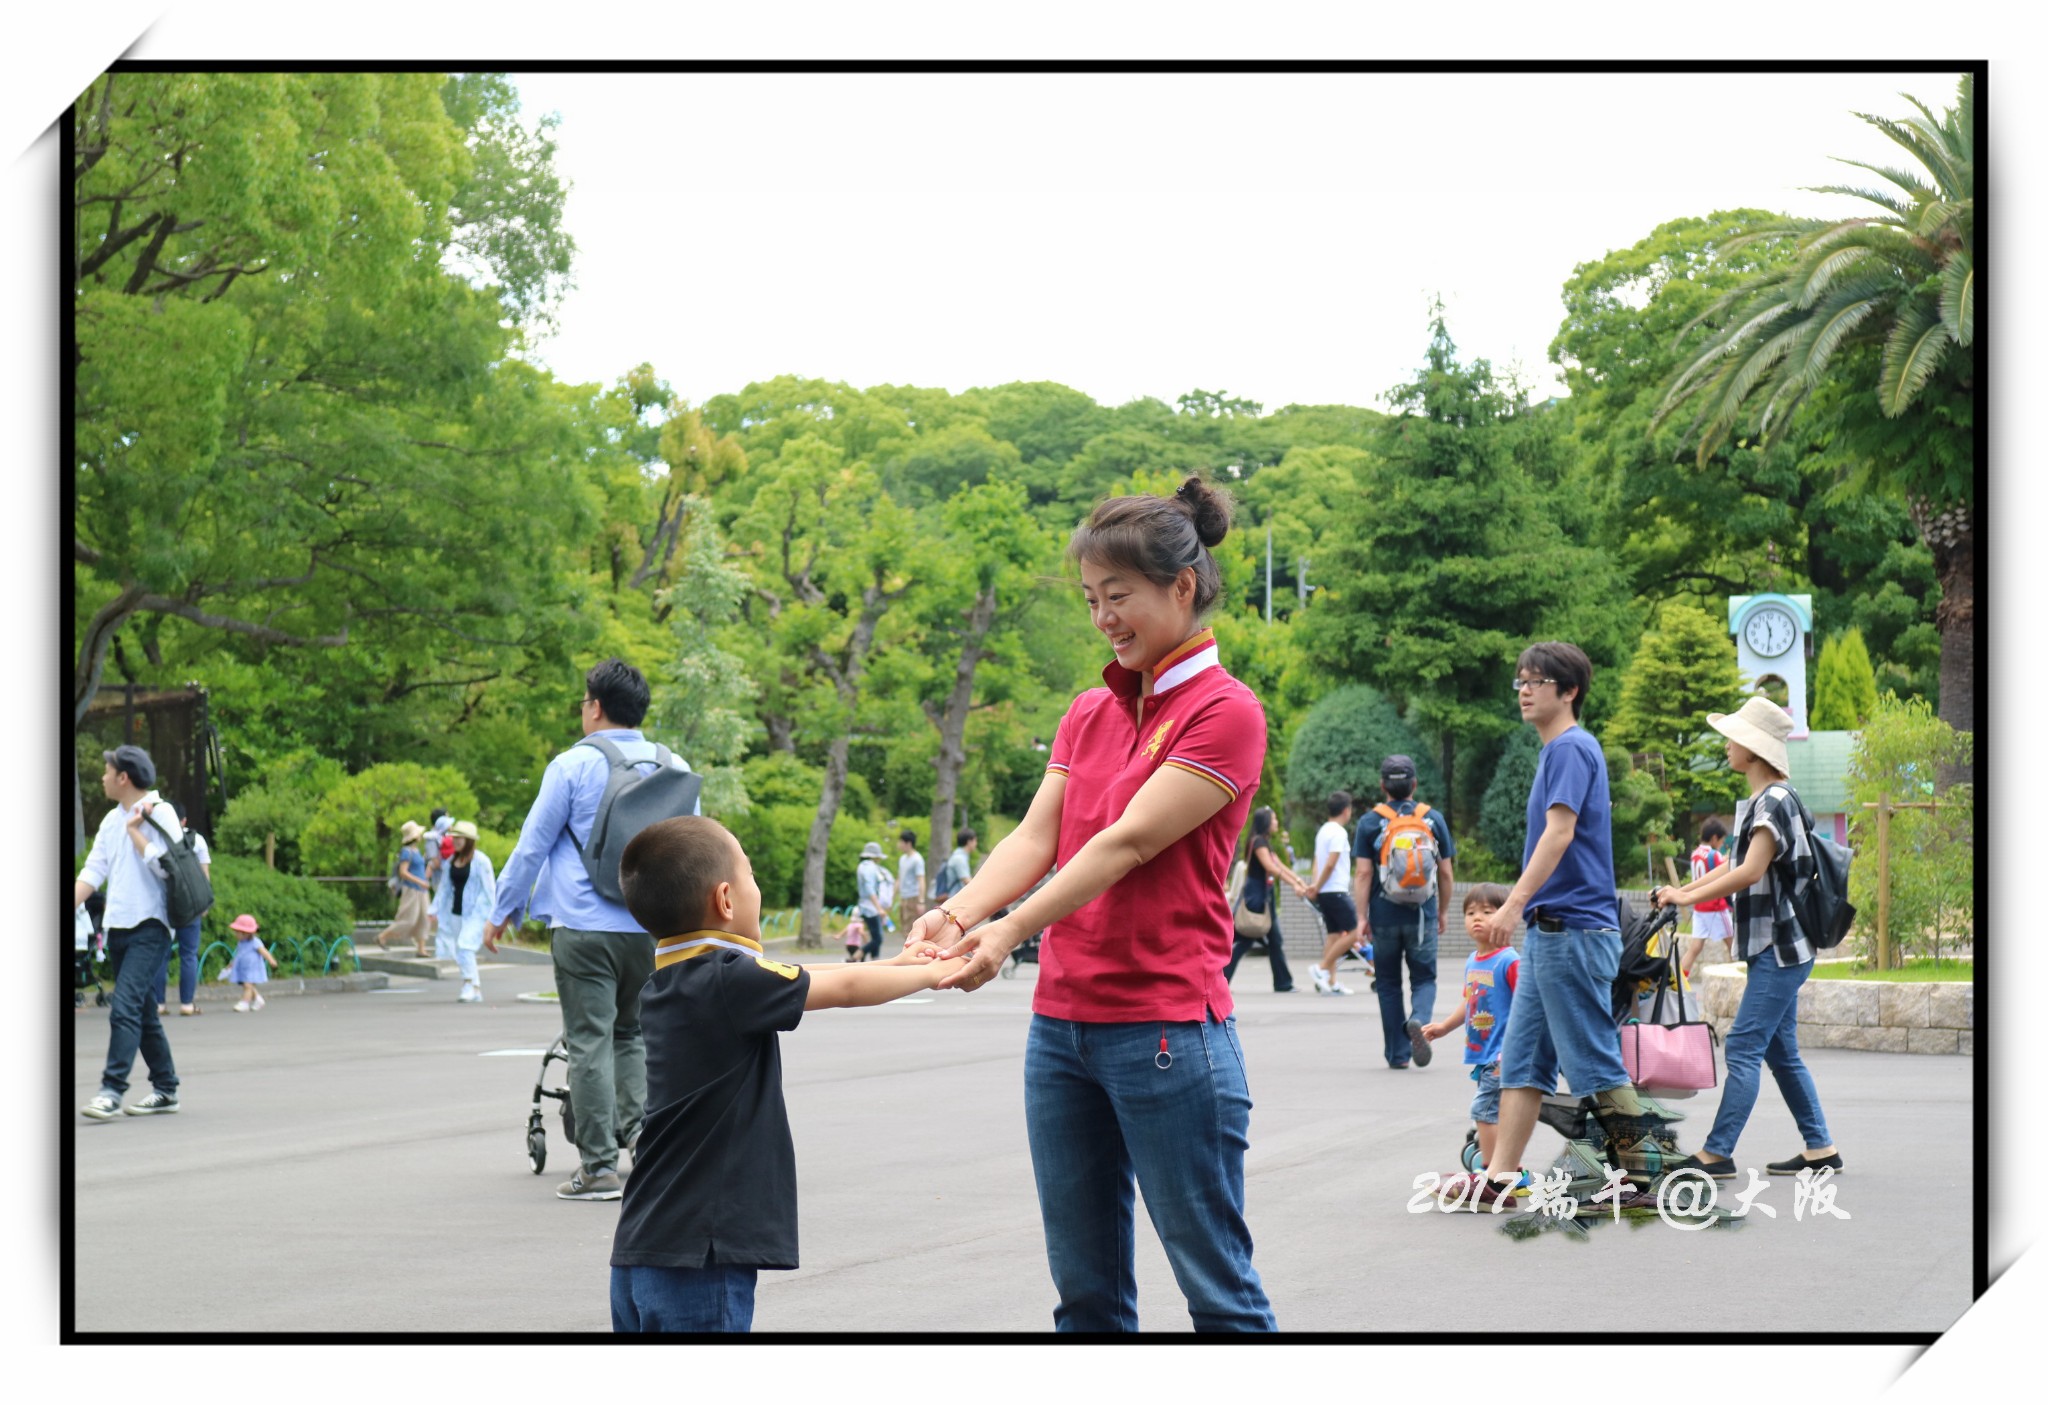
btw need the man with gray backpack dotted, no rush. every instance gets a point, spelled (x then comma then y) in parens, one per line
(593, 799)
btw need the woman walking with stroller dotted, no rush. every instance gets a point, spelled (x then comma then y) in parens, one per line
(462, 908)
(251, 956)
(1770, 823)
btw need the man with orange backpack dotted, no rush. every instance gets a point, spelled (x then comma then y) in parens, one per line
(1401, 867)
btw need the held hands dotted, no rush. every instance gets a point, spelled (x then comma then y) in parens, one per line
(987, 947)
(493, 931)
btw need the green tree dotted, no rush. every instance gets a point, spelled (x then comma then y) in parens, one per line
(1901, 749)
(353, 830)
(1844, 684)
(1874, 322)
(828, 556)
(1448, 562)
(1504, 810)
(1683, 669)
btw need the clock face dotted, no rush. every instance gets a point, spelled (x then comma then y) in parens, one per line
(1770, 631)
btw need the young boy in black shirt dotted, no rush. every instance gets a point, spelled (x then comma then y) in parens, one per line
(711, 1198)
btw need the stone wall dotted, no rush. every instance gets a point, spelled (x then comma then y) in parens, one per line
(1893, 1017)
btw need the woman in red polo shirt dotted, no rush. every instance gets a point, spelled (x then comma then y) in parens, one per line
(1133, 1076)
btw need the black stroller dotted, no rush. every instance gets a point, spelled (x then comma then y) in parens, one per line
(536, 1133)
(1026, 950)
(89, 947)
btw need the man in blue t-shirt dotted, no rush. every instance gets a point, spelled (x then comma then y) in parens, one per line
(1572, 949)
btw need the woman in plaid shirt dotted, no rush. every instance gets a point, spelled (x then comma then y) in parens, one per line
(1767, 936)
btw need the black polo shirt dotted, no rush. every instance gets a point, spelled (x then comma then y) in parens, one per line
(714, 1174)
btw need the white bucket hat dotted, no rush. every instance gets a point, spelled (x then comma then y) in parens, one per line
(872, 851)
(1759, 725)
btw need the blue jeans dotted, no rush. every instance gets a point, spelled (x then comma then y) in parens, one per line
(137, 956)
(1563, 1013)
(186, 939)
(715, 1298)
(1403, 933)
(1766, 1030)
(1104, 1120)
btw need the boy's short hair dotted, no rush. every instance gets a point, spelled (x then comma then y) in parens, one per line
(1340, 801)
(963, 836)
(908, 836)
(670, 870)
(1713, 829)
(1486, 895)
(1567, 663)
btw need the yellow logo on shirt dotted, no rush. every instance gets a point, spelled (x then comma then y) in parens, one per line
(1158, 738)
(788, 973)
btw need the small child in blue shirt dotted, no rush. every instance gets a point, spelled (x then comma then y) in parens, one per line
(1490, 975)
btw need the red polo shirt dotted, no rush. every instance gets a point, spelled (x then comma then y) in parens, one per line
(1153, 947)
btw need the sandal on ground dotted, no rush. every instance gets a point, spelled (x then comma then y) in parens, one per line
(188, 1009)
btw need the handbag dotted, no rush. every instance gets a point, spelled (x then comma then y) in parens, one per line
(1251, 926)
(1674, 1059)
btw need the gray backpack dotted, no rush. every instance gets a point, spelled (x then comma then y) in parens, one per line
(632, 801)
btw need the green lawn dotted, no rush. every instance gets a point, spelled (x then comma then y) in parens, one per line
(1920, 968)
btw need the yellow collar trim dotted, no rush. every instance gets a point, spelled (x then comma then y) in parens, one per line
(670, 950)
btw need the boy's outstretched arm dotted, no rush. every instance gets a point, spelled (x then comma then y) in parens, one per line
(874, 983)
(1438, 1029)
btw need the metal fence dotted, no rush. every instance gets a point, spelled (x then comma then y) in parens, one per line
(1302, 934)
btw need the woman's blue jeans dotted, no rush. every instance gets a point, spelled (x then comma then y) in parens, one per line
(186, 940)
(1766, 1030)
(1105, 1121)
(715, 1298)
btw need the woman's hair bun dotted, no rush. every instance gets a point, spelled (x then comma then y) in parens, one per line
(1210, 508)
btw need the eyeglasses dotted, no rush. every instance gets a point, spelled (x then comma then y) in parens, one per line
(1523, 685)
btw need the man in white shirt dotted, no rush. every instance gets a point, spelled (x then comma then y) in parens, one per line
(127, 860)
(1331, 878)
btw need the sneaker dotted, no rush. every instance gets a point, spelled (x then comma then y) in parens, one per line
(1336, 988)
(1416, 1040)
(241, 1007)
(470, 994)
(257, 1003)
(1498, 1197)
(155, 1102)
(104, 1108)
(586, 1185)
(1321, 978)
(1792, 1165)
(1719, 1170)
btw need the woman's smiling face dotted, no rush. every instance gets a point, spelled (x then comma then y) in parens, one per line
(1143, 622)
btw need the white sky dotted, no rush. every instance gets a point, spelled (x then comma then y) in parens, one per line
(1278, 237)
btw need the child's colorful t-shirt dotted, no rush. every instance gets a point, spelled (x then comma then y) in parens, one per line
(1489, 993)
(1705, 860)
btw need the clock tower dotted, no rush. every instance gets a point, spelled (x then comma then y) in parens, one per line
(1773, 637)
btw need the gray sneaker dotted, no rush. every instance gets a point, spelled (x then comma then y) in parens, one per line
(155, 1102)
(586, 1185)
(104, 1108)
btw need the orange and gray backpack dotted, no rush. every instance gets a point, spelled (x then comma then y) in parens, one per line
(1408, 856)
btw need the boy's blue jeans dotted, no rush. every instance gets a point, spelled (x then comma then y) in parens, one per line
(1403, 933)
(1104, 1120)
(1766, 1030)
(715, 1298)
(1563, 1013)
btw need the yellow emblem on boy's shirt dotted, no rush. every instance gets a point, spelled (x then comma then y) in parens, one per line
(788, 973)
(1158, 738)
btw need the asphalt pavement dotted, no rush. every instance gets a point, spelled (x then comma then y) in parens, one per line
(357, 1162)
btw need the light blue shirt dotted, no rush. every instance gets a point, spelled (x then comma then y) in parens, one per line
(478, 894)
(134, 883)
(545, 865)
(876, 888)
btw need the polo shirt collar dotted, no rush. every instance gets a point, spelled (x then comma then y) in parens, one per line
(1190, 657)
(701, 943)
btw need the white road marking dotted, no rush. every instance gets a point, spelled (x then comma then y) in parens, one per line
(511, 1053)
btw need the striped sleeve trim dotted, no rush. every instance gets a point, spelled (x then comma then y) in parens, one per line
(1057, 768)
(1197, 768)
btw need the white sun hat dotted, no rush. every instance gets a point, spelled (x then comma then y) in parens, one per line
(1761, 726)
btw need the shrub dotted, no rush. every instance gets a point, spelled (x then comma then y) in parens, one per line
(1899, 753)
(354, 828)
(1504, 811)
(280, 805)
(1339, 746)
(289, 909)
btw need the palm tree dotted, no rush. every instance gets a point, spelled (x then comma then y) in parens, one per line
(1874, 323)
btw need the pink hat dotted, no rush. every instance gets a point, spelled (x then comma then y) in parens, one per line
(244, 923)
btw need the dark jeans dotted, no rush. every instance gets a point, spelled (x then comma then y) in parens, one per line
(186, 938)
(598, 976)
(715, 1298)
(1105, 1122)
(1283, 979)
(872, 947)
(1403, 934)
(137, 956)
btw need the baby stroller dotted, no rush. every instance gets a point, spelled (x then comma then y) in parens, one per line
(1026, 950)
(1649, 1147)
(88, 947)
(536, 1134)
